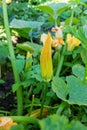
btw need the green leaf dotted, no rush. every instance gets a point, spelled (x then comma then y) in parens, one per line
(20, 62)
(3, 53)
(57, 122)
(21, 24)
(83, 55)
(31, 47)
(76, 125)
(85, 12)
(16, 86)
(62, 8)
(77, 91)
(85, 29)
(54, 8)
(23, 27)
(74, 21)
(78, 70)
(17, 127)
(47, 9)
(57, 6)
(82, 37)
(54, 122)
(25, 47)
(2, 81)
(74, 92)
(60, 88)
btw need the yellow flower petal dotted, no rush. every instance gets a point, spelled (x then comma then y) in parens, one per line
(57, 42)
(46, 60)
(6, 123)
(43, 38)
(72, 42)
(8, 1)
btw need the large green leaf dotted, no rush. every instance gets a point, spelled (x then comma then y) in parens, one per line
(74, 92)
(54, 9)
(77, 91)
(56, 122)
(23, 27)
(17, 23)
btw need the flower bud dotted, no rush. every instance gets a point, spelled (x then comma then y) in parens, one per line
(46, 60)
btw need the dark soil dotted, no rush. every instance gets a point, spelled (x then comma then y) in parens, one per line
(7, 100)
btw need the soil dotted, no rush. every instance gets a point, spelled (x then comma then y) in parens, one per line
(7, 100)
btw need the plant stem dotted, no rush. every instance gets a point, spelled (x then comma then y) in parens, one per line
(85, 73)
(61, 61)
(45, 106)
(31, 107)
(43, 98)
(13, 62)
(64, 48)
(4, 112)
(30, 92)
(72, 14)
(24, 119)
(61, 107)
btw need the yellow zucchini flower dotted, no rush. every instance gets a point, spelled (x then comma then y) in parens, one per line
(6, 123)
(46, 60)
(72, 42)
(8, 1)
(57, 40)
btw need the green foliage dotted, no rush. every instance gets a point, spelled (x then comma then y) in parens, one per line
(54, 10)
(67, 93)
(78, 70)
(29, 46)
(3, 53)
(74, 92)
(60, 87)
(57, 122)
(23, 27)
(20, 127)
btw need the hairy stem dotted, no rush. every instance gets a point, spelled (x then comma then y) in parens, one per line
(60, 64)
(43, 98)
(12, 57)
(24, 119)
